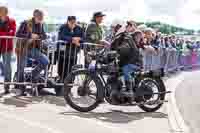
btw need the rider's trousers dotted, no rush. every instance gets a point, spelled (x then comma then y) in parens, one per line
(128, 70)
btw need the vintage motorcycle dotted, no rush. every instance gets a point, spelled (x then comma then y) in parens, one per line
(96, 83)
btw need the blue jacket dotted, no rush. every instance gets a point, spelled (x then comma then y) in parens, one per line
(66, 34)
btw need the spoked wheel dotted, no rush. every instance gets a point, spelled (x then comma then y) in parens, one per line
(80, 91)
(152, 100)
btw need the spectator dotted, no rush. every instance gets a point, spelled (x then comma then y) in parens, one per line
(162, 42)
(173, 41)
(167, 43)
(179, 48)
(179, 45)
(116, 25)
(94, 31)
(156, 42)
(148, 36)
(198, 44)
(33, 32)
(7, 28)
(73, 35)
(131, 26)
(189, 45)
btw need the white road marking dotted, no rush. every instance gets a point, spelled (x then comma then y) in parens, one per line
(175, 118)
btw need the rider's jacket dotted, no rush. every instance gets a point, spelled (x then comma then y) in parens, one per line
(128, 50)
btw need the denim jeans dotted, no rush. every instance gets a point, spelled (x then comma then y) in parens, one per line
(128, 70)
(7, 65)
(36, 54)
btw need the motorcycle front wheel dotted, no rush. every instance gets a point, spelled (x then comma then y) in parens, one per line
(81, 91)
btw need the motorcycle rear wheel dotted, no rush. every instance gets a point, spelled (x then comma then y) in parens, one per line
(160, 97)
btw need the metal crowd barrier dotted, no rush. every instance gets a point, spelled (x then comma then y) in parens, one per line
(61, 57)
(170, 59)
(64, 56)
(16, 51)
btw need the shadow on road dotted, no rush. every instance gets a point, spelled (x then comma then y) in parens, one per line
(22, 102)
(111, 116)
(117, 116)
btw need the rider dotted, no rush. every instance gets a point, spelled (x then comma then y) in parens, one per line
(130, 58)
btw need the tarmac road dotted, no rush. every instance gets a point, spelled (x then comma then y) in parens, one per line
(49, 114)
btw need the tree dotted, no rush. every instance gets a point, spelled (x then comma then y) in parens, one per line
(168, 29)
(198, 31)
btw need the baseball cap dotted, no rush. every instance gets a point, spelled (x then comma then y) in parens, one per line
(98, 14)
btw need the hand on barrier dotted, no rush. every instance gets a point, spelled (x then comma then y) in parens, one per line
(105, 43)
(35, 36)
(76, 41)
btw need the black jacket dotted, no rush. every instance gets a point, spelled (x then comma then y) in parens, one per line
(127, 49)
(66, 34)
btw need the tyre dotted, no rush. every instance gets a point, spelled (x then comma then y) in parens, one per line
(157, 86)
(83, 84)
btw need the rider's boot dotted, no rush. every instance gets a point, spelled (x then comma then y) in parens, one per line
(128, 91)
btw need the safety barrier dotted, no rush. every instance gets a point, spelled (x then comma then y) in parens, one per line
(65, 56)
(32, 64)
(25, 61)
(170, 59)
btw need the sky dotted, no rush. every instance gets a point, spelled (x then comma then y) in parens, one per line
(182, 13)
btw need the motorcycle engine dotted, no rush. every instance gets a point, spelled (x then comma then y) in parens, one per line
(113, 91)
